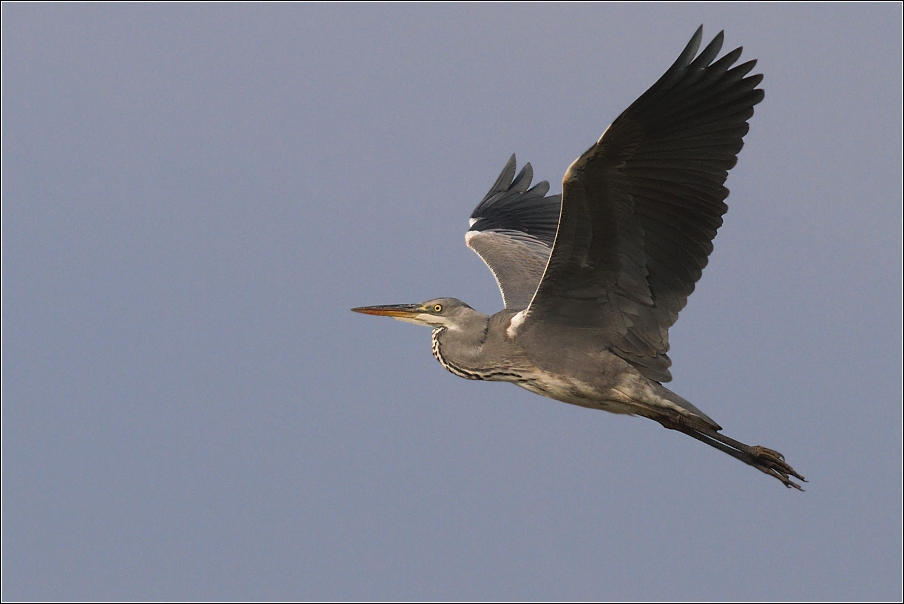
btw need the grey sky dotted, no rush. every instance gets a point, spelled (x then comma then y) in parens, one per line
(195, 195)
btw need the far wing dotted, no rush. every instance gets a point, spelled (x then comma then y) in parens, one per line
(512, 230)
(641, 207)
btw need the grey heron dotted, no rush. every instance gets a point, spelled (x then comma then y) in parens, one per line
(593, 278)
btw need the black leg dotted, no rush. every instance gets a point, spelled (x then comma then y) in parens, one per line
(765, 460)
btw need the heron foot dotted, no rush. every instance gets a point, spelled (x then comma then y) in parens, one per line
(773, 463)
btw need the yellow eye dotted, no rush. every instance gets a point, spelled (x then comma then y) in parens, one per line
(437, 308)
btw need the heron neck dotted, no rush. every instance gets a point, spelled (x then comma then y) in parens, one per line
(459, 348)
(468, 352)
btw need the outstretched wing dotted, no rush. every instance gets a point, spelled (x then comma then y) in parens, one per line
(641, 208)
(512, 230)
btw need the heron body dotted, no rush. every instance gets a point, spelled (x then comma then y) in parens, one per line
(593, 278)
(580, 372)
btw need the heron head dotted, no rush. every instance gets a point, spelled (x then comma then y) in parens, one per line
(439, 312)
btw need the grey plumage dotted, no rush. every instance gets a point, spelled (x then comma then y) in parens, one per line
(593, 279)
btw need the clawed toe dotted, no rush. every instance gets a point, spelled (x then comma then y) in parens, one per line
(773, 463)
(760, 450)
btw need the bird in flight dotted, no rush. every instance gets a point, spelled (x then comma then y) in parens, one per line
(593, 278)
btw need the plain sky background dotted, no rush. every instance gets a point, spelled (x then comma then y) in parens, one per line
(194, 196)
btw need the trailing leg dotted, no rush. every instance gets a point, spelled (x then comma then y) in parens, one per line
(763, 459)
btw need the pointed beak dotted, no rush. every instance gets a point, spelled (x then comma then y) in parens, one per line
(396, 311)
